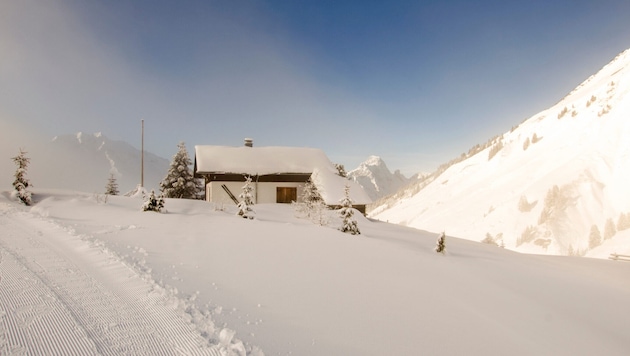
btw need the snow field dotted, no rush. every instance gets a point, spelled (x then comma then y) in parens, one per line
(285, 286)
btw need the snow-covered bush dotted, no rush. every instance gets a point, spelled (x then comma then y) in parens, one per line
(100, 198)
(247, 199)
(179, 181)
(440, 244)
(348, 224)
(21, 183)
(112, 186)
(153, 203)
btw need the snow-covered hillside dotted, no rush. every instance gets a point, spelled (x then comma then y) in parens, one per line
(82, 276)
(376, 179)
(84, 162)
(559, 183)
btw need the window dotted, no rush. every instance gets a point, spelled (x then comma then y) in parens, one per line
(286, 194)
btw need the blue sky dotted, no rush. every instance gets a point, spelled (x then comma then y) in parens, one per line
(415, 82)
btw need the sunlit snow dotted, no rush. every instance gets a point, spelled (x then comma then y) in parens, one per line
(81, 274)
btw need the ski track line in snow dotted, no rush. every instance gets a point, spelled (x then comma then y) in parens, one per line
(55, 302)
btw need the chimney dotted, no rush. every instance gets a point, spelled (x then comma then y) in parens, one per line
(249, 142)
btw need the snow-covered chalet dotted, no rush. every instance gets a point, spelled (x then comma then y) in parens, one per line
(278, 174)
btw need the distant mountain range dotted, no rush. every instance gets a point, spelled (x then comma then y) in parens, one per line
(559, 183)
(84, 162)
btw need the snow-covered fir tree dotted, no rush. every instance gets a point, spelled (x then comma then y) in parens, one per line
(153, 203)
(313, 204)
(594, 237)
(247, 199)
(179, 181)
(21, 183)
(112, 185)
(440, 245)
(310, 197)
(311, 194)
(348, 223)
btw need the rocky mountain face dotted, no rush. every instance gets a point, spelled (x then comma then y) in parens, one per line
(559, 183)
(376, 179)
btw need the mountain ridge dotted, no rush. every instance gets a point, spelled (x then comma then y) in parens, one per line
(84, 162)
(543, 186)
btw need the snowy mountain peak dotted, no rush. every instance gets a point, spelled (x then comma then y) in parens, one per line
(374, 161)
(376, 179)
(96, 138)
(557, 184)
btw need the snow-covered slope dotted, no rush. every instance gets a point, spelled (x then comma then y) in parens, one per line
(376, 179)
(82, 276)
(84, 162)
(547, 186)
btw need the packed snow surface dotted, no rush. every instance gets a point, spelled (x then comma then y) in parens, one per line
(81, 274)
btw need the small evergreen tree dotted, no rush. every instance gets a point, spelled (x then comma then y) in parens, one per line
(623, 222)
(311, 204)
(154, 203)
(310, 197)
(489, 240)
(21, 183)
(348, 224)
(535, 138)
(594, 237)
(609, 229)
(247, 199)
(180, 181)
(440, 245)
(112, 186)
(311, 193)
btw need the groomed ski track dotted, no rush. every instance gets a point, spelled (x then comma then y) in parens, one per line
(61, 296)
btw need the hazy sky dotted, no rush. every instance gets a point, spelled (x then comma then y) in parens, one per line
(415, 82)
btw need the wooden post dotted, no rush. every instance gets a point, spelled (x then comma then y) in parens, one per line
(142, 158)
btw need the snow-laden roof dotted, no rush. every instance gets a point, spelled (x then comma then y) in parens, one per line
(260, 160)
(332, 188)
